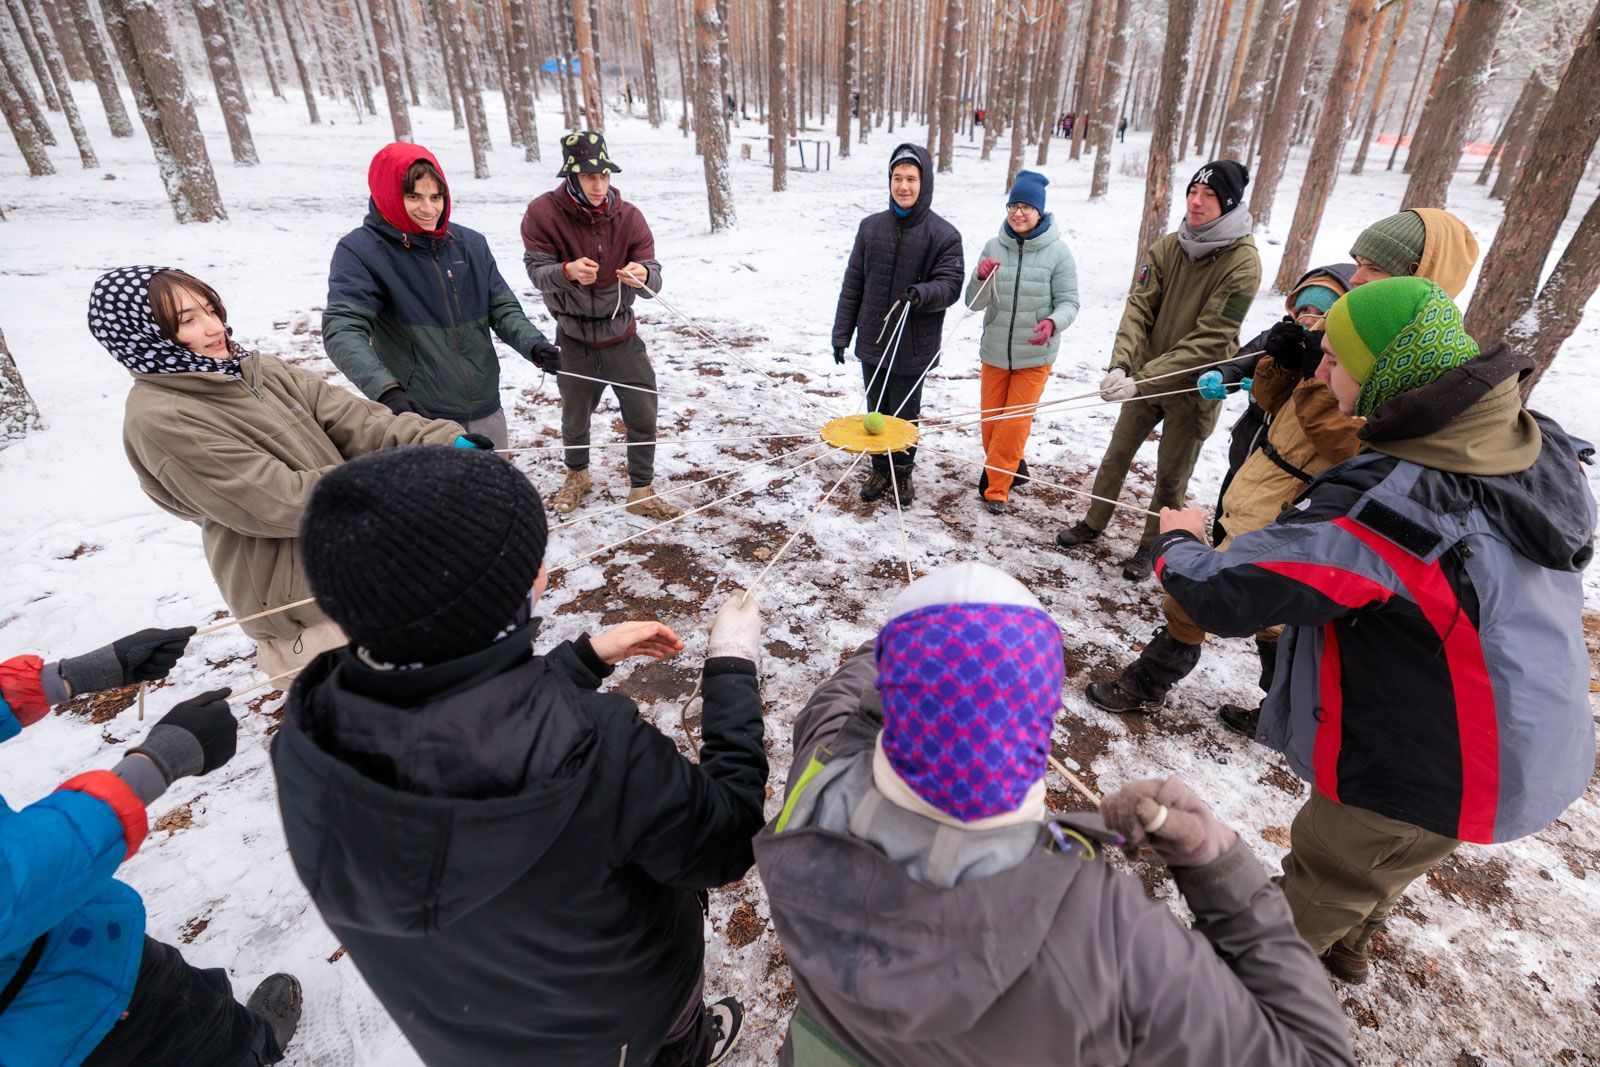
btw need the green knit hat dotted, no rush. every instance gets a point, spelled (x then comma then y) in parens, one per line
(1394, 335)
(1393, 245)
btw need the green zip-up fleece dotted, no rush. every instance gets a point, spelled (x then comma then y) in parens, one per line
(1186, 313)
(240, 456)
(1036, 280)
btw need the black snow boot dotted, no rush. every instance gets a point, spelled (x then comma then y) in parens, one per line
(278, 1000)
(1137, 567)
(726, 1017)
(901, 483)
(1018, 480)
(1079, 533)
(1240, 719)
(1143, 686)
(876, 485)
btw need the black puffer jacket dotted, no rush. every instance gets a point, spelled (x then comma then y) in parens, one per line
(510, 857)
(890, 255)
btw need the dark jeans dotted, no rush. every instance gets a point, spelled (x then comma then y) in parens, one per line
(886, 395)
(688, 1043)
(182, 1015)
(626, 364)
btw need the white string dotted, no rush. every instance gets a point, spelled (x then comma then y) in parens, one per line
(1081, 407)
(886, 359)
(586, 516)
(658, 441)
(905, 545)
(574, 561)
(807, 522)
(1035, 479)
(676, 396)
(945, 341)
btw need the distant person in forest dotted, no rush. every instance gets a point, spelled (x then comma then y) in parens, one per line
(234, 442)
(1122, 130)
(515, 858)
(1027, 286)
(86, 984)
(590, 254)
(906, 263)
(413, 299)
(1191, 295)
(1432, 685)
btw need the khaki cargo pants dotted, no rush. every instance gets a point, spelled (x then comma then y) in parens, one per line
(1186, 421)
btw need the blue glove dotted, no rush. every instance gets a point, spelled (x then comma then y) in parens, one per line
(474, 440)
(1245, 383)
(1211, 386)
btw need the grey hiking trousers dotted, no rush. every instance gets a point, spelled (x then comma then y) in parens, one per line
(618, 368)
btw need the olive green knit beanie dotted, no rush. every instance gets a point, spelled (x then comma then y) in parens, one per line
(1393, 245)
(1395, 335)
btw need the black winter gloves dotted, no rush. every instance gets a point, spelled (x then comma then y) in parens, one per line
(545, 356)
(1294, 348)
(474, 440)
(838, 356)
(399, 401)
(146, 656)
(912, 298)
(195, 737)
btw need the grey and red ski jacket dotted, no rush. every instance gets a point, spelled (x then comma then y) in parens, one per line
(1433, 669)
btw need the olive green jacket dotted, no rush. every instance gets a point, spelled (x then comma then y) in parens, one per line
(1185, 313)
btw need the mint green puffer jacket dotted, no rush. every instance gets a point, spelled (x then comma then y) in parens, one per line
(1037, 279)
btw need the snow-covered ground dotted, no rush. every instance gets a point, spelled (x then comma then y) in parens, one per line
(1490, 959)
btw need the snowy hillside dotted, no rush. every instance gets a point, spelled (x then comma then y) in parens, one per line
(1490, 959)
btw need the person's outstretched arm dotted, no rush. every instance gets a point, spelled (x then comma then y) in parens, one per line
(354, 300)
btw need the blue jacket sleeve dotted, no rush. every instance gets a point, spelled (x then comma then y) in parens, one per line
(54, 855)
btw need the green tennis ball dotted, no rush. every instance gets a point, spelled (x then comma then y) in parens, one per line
(874, 422)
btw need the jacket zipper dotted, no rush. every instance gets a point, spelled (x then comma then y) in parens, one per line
(291, 427)
(455, 330)
(894, 264)
(1016, 290)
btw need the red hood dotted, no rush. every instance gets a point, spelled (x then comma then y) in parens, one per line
(386, 181)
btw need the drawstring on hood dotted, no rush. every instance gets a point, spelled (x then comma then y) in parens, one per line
(386, 180)
(122, 320)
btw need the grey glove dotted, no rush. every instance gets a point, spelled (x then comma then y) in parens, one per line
(1117, 386)
(1170, 818)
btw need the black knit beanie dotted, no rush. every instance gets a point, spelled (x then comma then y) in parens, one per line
(1226, 178)
(423, 554)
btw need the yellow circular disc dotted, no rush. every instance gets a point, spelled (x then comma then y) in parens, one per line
(850, 433)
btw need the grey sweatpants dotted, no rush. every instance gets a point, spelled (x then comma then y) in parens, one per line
(626, 364)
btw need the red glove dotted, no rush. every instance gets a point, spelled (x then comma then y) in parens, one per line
(22, 690)
(987, 267)
(1043, 332)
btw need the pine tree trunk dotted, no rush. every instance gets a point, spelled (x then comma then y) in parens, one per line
(65, 31)
(1416, 83)
(1164, 134)
(1208, 94)
(872, 17)
(264, 40)
(593, 114)
(1395, 38)
(1031, 15)
(1517, 146)
(955, 22)
(1094, 55)
(30, 46)
(1002, 57)
(1280, 119)
(57, 69)
(19, 415)
(213, 23)
(1419, 140)
(1245, 109)
(1539, 202)
(1561, 303)
(1322, 169)
(1111, 94)
(1454, 106)
(105, 77)
(709, 115)
(161, 95)
(29, 143)
(462, 54)
(847, 73)
(1230, 92)
(388, 45)
(298, 56)
(777, 104)
(1199, 67)
(13, 57)
(647, 50)
(1379, 21)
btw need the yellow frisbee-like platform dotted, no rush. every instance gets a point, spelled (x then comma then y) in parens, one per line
(850, 433)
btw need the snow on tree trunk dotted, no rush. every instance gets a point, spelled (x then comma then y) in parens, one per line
(1002, 54)
(1029, 16)
(105, 77)
(1164, 131)
(1230, 91)
(65, 31)
(297, 54)
(1245, 110)
(588, 69)
(873, 15)
(1420, 138)
(23, 129)
(847, 74)
(1455, 105)
(522, 62)
(1539, 202)
(647, 59)
(1208, 93)
(461, 53)
(1541, 332)
(777, 92)
(30, 46)
(213, 23)
(1094, 56)
(268, 45)
(1395, 37)
(1280, 119)
(387, 43)
(57, 70)
(19, 415)
(16, 62)
(1110, 98)
(955, 21)
(709, 114)
(1322, 169)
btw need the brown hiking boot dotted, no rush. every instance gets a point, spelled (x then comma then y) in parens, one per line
(571, 493)
(1351, 963)
(642, 500)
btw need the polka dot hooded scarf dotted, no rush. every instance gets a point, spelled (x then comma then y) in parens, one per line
(121, 319)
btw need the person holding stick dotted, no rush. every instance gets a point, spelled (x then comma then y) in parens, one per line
(935, 914)
(234, 441)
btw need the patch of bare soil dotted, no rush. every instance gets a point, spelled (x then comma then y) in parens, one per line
(1283, 780)
(179, 818)
(102, 706)
(1480, 886)
(744, 925)
(1278, 835)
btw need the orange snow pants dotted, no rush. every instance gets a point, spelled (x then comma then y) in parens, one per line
(1005, 438)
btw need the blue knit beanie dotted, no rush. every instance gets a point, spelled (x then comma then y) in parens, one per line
(1028, 189)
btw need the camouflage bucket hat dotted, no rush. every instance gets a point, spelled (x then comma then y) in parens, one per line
(585, 153)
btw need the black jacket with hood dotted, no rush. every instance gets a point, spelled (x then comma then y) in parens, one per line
(891, 255)
(510, 857)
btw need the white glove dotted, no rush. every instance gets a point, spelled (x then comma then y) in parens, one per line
(1117, 386)
(736, 631)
